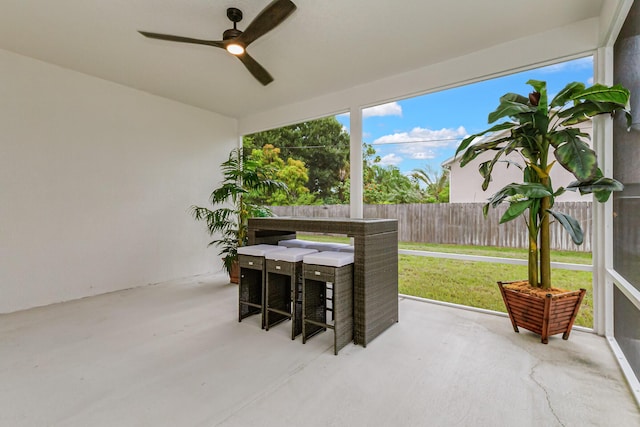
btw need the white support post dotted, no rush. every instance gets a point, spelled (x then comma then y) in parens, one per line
(603, 212)
(355, 161)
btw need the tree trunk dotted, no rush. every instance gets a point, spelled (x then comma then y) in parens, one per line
(545, 251)
(533, 250)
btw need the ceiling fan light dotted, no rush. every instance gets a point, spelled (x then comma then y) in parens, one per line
(235, 48)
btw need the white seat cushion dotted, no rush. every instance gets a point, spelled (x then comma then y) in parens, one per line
(324, 246)
(289, 254)
(257, 250)
(294, 243)
(340, 245)
(329, 258)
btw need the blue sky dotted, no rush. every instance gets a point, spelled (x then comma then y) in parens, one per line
(425, 130)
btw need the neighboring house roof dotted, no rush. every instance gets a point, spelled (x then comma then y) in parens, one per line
(465, 184)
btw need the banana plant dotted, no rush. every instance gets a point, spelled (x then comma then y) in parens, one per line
(537, 129)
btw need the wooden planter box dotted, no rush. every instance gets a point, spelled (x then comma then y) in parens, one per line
(234, 277)
(545, 316)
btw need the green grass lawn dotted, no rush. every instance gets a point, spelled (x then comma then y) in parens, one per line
(556, 256)
(474, 283)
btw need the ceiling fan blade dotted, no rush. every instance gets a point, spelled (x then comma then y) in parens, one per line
(181, 39)
(256, 69)
(270, 17)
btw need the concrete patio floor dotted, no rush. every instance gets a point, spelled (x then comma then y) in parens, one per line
(174, 354)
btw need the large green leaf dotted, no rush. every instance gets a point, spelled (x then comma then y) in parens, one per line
(496, 199)
(529, 190)
(578, 158)
(541, 121)
(486, 168)
(538, 85)
(560, 191)
(600, 187)
(530, 175)
(559, 137)
(602, 195)
(570, 224)
(510, 163)
(601, 93)
(493, 144)
(585, 110)
(530, 139)
(598, 99)
(514, 97)
(475, 150)
(542, 109)
(566, 94)
(515, 210)
(509, 109)
(468, 140)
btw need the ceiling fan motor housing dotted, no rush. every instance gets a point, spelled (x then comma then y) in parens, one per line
(231, 33)
(235, 15)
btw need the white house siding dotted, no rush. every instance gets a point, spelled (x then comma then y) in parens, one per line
(466, 183)
(96, 180)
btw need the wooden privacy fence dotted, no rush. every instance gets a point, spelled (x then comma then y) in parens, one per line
(457, 223)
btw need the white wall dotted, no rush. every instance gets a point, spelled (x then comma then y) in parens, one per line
(465, 185)
(95, 184)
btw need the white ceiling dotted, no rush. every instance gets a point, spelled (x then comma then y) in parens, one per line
(325, 46)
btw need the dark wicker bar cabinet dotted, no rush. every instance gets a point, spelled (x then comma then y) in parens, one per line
(375, 276)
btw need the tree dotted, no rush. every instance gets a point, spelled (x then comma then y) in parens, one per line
(323, 146)
(387, 185)
(292, 173)
(436, 183)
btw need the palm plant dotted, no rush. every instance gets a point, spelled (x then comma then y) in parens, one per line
(535, 127)
(436, 183)
(228, 222)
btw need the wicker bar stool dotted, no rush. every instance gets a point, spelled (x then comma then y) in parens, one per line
(252, 276)
(283, 288)
(327, 286)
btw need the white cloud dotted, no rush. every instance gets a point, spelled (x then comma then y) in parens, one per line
(425, 137)
(388, 109)
(590, 81)
(391, 159)
(420, 154)
(421, 143)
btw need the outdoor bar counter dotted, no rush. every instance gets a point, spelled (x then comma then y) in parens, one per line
(375, 281)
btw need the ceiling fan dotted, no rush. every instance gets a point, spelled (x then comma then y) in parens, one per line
(236, 42)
